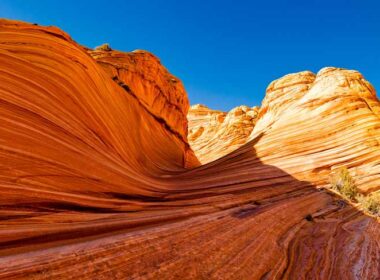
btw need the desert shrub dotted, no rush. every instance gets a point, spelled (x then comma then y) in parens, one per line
(105, 47)
(342, 182)
(370, 203)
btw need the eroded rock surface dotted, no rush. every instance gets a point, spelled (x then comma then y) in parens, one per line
(142, 75)
(317, 123)
(93, 182)
(213, 134)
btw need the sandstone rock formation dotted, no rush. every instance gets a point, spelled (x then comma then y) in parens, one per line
(213, 134)
(94, 185)
(161, 94)
(142, 74)
(317, 123)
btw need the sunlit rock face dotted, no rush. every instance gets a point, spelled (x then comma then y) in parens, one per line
(94, 181)
(62, 112)
(213, 134)
(158, 91)
(141, 75)
(316, 123)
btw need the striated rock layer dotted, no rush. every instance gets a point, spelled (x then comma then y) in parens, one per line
(93, 181)
(213, 134)
(141, 74)
(161, 94)
(317, 123)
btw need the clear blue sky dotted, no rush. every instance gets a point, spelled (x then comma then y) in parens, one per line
(225, 52)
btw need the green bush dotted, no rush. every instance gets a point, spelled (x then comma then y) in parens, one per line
(343, 183)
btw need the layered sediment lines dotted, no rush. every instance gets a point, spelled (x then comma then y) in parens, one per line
(94, 185)
(317, 123)
(213, 134)
(141, 74)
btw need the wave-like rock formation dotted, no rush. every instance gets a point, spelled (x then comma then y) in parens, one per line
(97, 179)
(161, 94)
(213, 134)
(318, 123)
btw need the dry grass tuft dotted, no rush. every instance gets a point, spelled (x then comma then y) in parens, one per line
(342, 182)
(370, 203)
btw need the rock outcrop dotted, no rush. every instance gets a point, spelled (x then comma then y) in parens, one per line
(213, 134)
(94, 185)
(141, 75)
(61, 111)
(317, 123)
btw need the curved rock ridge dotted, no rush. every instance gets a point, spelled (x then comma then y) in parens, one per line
(66, 113)
(93, 184)
(317, 123)
(141, 73)
(213, 134)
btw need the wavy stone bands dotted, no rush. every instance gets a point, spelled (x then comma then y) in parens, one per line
(94, 185)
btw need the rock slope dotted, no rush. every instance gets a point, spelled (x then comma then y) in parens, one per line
(213, 134)
(317, 123)
(94, 184)
(141, 73)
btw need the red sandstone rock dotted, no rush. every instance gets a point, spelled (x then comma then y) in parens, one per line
(158, 91)
(93, 184)
(213, 134)
(161, 94)
(316, 123)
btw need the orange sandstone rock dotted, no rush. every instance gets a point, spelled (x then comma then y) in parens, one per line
(316, 123)
(93, 184)
(213, 134)
(141, 75)
(159, 92)
(60, 112)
